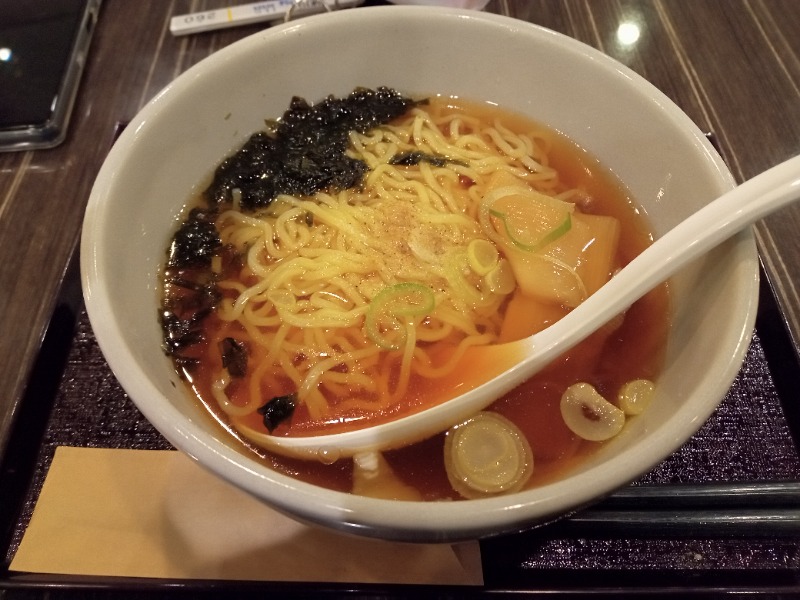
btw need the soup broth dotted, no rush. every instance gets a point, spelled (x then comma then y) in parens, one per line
(219, 362)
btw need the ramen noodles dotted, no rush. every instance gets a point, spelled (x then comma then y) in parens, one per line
(320, 288)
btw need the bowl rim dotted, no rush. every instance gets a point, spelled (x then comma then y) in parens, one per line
(444, 521)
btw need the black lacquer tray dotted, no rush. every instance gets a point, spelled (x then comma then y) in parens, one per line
(721, 515)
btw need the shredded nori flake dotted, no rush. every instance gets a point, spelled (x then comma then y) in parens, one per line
(277, 410)
(195, 242)
(305, 153)
(300, 154)
(181, 333)
(234, 356)
(410, 159)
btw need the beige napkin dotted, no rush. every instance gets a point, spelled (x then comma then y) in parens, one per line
(140, 513)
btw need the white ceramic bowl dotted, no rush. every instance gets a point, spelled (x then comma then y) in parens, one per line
(170, 148)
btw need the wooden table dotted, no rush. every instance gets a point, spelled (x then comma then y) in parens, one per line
(732, 65)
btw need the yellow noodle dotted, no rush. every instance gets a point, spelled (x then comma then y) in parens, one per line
(314, 265)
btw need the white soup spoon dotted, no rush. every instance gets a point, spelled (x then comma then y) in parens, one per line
(505, 366)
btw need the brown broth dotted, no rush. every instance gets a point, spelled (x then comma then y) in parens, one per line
(607, 359)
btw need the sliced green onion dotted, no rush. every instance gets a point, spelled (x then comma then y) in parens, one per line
(487, 455)
(483, 256)
(530, 220)
(635, 396)
(393, 308)
(516, 233)
(501, 280)
(588, 415)
(456, 269)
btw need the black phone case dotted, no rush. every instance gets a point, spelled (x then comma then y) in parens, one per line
(24, 125)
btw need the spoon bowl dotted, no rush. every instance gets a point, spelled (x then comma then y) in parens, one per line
(510, 364)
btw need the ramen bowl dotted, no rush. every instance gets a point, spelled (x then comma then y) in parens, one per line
(169, 150)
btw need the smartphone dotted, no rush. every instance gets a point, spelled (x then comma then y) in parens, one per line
(43, 47)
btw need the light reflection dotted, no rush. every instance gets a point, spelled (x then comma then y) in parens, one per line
(5, 54)
(628, 33)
